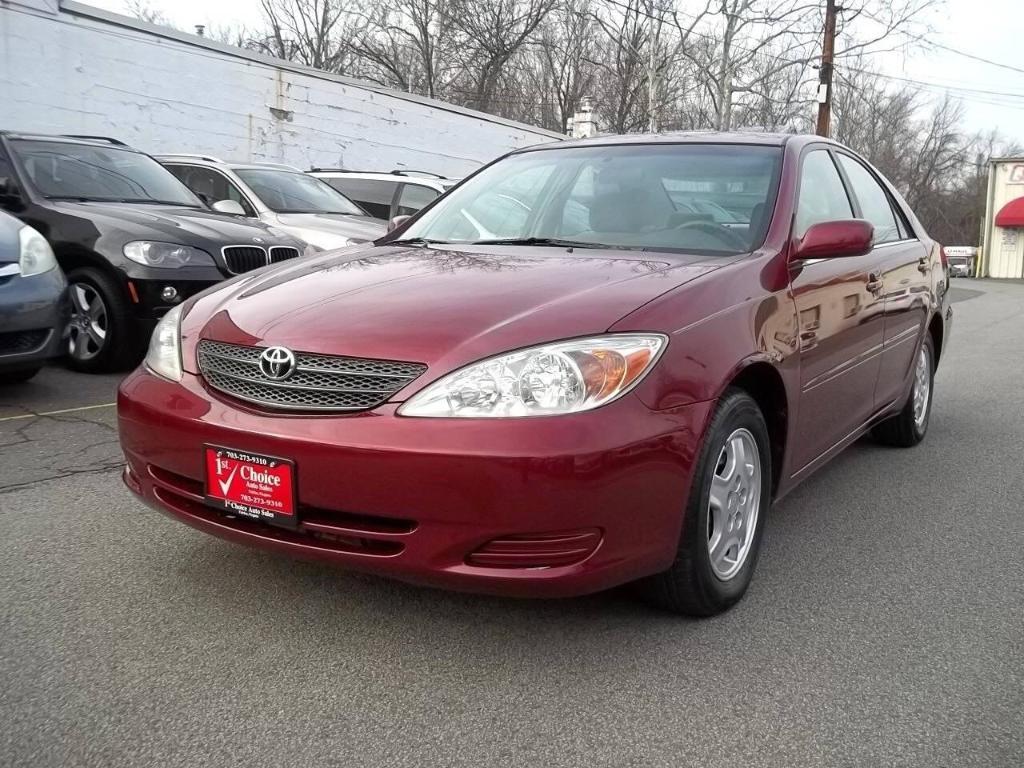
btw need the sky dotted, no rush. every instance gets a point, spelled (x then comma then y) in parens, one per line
(991, 29)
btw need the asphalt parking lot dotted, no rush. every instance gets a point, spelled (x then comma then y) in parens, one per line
(884, 626)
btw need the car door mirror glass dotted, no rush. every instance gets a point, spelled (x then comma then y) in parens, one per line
(835, 239)
(229, 206)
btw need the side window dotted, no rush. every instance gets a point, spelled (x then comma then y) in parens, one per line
(413, 197)
(822, 194)
(211, 185)
(874, 201)
(372, 194)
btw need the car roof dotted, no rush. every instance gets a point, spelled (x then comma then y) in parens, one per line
(209, 160)
(89, 141)
(736, 138)
(398, 178)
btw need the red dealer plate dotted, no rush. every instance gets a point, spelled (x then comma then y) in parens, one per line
(251, 485)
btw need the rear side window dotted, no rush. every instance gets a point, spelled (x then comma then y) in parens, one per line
(372, 194)
(822, 194)
(414, 197)
(874, 202)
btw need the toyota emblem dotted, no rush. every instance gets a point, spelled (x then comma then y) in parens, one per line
(277, 363)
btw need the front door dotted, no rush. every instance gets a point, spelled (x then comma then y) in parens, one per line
(841, 321)
(903, 263)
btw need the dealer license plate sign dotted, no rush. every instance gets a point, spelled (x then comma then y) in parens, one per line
(251, 485)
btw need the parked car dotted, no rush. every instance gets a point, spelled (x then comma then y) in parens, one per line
(497, 397)
(386, 195)
(279, 195)
(132, 240)
(33, 302)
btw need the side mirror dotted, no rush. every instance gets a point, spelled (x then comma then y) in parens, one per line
(396, 222)
(229, 206)
(835, 239)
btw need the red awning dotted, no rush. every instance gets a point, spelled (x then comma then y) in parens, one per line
(1011, 214)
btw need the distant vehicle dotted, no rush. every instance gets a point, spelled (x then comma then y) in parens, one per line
(386, 195)
(132, 239)
(33, 302)
(279, 195)
(961, 260)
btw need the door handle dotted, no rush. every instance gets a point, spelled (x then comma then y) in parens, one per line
(875, 284)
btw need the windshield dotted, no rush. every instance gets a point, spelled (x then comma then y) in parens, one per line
(93, 173)
(290, 192)
(702, 198)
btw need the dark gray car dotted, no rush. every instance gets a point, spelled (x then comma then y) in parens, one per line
(34, 304)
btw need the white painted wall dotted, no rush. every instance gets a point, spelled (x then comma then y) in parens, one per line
(83, 70)
(1004, 247)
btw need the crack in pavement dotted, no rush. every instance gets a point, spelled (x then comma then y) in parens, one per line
(6, 489)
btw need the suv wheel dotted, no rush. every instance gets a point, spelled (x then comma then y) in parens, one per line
(103, 334)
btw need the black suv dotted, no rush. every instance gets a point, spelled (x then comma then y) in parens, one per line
(131, 238)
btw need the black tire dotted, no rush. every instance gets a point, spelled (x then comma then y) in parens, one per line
(19, 376)
(691, 586)
(125, 342)
(904, 430)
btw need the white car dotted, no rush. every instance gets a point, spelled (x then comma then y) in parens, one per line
(279, 195)
(390, 194)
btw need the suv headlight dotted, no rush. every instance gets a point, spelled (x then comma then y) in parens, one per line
(164, 355)
(565, 377)
(166, 255)
(36, 255)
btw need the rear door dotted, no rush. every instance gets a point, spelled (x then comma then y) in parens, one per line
(903, 264)
(840, 315)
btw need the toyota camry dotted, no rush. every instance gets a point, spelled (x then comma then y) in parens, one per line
(591, 363)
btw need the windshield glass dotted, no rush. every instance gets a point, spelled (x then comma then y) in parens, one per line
(703, 198)
(95, 173)
(290, 192)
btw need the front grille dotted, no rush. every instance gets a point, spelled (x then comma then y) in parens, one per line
(319, 383)
(23, 342)
(243, 258)
(280, 253)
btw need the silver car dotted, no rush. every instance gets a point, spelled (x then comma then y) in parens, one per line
(279, 195)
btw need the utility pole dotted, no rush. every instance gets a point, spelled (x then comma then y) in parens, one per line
(828, 51)
(652, 79)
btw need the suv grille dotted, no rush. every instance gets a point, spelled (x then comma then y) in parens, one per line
(244, 258)
(319, 382)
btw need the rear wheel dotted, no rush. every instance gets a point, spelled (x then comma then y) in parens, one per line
(724, 517)
(103, 333)
(908, 428)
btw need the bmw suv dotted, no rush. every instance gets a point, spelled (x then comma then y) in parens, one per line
(133, 241)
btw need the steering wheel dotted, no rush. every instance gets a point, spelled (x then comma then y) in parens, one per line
(724, 234)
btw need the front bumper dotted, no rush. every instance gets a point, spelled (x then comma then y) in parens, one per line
(415, 498)
(145, 287)
(34, 315)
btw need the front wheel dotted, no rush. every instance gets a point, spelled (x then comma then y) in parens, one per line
(724, 516)
(103, 334)
(908, 428)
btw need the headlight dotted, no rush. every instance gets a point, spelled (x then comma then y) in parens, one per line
(166, 255)
(164, 355)
(36, 255)
(566, 377)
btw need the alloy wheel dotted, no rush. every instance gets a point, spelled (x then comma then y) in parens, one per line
(734, 504)
(922, 387)
(88, 326)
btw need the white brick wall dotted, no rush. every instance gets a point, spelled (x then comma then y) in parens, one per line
(87, 71)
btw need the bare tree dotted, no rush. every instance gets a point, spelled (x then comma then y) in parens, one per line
(307, 31)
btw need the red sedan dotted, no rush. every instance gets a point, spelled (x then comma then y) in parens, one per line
(590, 363)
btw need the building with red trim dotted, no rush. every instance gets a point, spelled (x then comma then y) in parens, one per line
(1002, 253)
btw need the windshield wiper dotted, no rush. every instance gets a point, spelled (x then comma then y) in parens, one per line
(548, 241)
(418, 241)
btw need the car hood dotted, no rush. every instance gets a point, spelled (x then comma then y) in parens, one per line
(331, 230)
(441, 306)
(172, 224)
